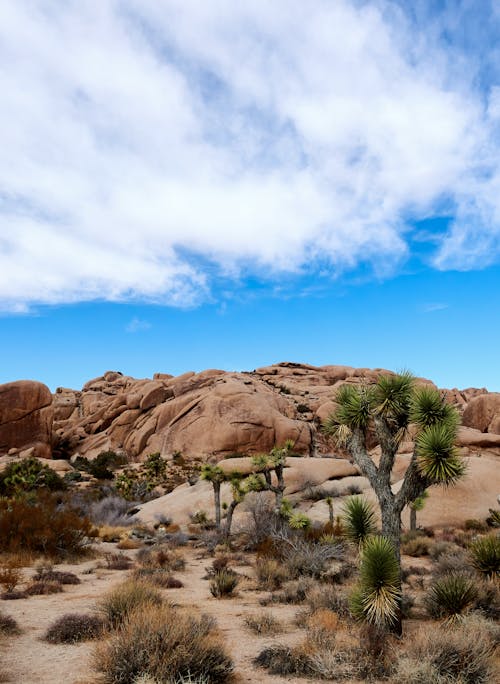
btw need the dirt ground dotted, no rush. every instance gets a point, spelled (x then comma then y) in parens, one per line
(27, 659)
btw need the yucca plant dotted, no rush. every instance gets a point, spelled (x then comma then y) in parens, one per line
(485, 553)
(450, 596)
(299, 521)
(358, 517)
(377, 597)
(385, 411)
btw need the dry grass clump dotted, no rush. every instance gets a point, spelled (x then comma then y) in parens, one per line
(128, 544)
(43, 588)
(462, 654)
(118, 604)
(48, 574)
(263, 624)
(168, 559)
(8, 626)
(271, 574)
(74, 627)
(223, 583)
(166, 644)
(112, 533)
(159, 577)
(117, 561)
(417, 546)
(293, 592)
(302, 557)
(284, 661)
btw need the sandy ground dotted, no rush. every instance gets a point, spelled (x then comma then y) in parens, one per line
(27, 659)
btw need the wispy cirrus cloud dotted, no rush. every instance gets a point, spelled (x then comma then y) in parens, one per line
(142, 139)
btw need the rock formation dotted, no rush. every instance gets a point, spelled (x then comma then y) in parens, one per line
(26, 418)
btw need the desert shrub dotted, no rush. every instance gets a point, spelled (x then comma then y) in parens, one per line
(263, 623)
(44, 525)
(294, 592)
(101, 467)
(418, 546)
(159, 577)
(223, 583)
(48, 574)
(118, 604)
(322, 626)
(43, 588)
(485, 554)
(8, 625)
(284, 661)
(461, 654)
(28, 475)
(328, 598)
(220, 562)
(270, 573)
(262, 519)
(10, 577)
(475, 525)
(117, 561)
(169, 559)
(450, 596)
(168, 645)
(74, 627)
(444, 547)
(455, 562)
(111, 510)
(307, 558)
(487, 601)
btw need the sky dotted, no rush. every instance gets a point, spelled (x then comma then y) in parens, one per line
(189, 185)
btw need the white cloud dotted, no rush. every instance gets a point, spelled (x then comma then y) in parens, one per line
(139, 135)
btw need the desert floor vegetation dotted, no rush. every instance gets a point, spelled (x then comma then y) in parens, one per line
(265, 604)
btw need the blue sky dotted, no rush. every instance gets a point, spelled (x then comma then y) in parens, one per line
(189, 185)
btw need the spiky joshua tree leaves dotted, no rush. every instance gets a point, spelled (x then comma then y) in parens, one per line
(359, 519)
(376, 599)
(386, 410)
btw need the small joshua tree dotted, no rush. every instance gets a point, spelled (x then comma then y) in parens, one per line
(415, 506)
(275, 462)
(216, 476)
(386, 410)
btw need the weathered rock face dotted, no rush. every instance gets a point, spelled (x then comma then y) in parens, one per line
(483, 413)
(215, 413)
(26, 418)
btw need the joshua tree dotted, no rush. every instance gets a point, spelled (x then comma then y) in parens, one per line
(238, 490)
(385, 411)
(415, 506)
(359, 519)
(216, 476)
(274, 461)
(329, 503)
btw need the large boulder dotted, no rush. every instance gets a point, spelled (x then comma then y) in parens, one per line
(26, 416)
(483, 413)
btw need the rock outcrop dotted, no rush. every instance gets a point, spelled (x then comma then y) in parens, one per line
(26, 415)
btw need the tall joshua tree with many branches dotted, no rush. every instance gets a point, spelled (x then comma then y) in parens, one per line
(387, 409)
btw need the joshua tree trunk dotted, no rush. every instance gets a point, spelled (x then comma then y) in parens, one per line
(229, 518)
(217, 504)
(413, 519)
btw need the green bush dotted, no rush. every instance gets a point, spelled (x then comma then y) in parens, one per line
(28, 475)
